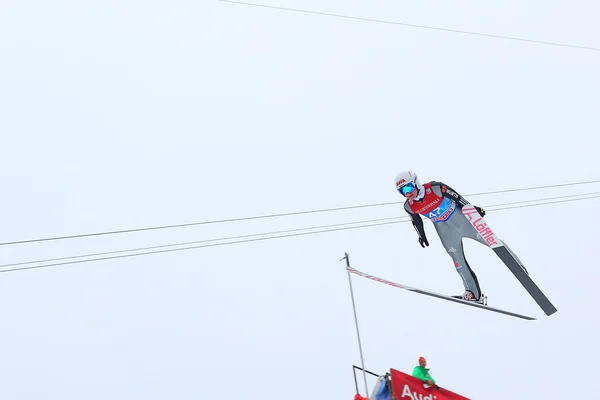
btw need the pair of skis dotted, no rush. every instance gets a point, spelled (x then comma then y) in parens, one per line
(502, 252)
(438, 295)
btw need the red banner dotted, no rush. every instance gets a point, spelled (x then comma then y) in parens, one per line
(408, 387)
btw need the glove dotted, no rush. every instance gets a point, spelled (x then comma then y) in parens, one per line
(480, 210)
(423, 242)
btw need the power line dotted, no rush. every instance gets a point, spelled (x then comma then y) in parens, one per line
(403, 217)
(547, 198)
(535, 188)
(410, 25)
(201, 241)
(220, 221)
(268, 238)
(286, 214)
(196, 247)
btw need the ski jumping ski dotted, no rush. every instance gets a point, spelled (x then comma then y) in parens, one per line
(508, 258)
(437, 295)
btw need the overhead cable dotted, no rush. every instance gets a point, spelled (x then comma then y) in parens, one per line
(402, 217)
(286, 214)
(264, 238)
(410, 25)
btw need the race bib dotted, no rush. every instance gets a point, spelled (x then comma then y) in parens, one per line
(443, 212)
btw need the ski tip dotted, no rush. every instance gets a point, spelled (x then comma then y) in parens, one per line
(551, 312)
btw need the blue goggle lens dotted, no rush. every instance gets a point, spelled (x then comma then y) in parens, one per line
(407, 188)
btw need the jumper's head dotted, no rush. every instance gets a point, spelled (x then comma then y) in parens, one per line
(407, 183)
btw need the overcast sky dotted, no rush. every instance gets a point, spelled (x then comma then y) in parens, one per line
(127, 114)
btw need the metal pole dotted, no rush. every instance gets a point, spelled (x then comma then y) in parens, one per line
(367, 371)
(356, 322)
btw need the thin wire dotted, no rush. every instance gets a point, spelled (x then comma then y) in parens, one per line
(550, 202)
(410, 25)
(270, 216)
(261, 239)
(547, 198)
(202, 241)
(198, 247)
(269, 233)
(195, 223)
(534, 188)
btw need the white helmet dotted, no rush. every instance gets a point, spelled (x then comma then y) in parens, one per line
(406, 177)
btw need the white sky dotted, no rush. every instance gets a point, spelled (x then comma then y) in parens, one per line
(124, 114)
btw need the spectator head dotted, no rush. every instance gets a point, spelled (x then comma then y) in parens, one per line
(422, 362)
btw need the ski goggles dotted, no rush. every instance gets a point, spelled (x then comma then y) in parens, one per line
(408, 188)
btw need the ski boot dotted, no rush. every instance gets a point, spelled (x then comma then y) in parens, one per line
(470, 296)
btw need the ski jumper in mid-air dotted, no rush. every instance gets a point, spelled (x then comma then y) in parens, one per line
(440, 203)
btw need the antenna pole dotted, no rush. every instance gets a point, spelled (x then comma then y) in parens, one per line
(347, 258)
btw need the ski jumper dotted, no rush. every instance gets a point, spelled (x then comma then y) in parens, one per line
(442, 205)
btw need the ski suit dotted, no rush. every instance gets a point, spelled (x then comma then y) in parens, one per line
(442, 205)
